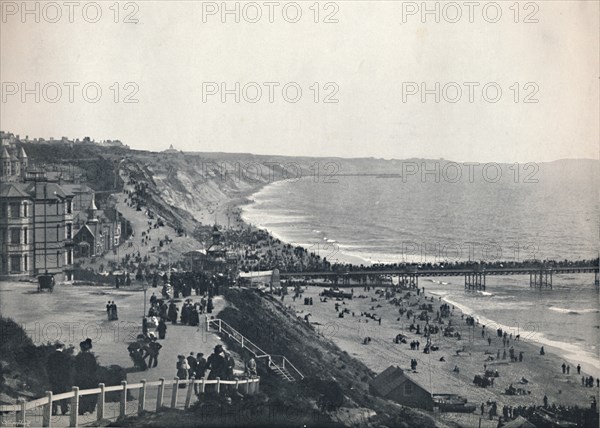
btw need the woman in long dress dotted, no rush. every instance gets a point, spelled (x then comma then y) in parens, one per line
(86, 376)
(182, 369)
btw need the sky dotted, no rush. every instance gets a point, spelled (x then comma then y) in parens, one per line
(362, 81)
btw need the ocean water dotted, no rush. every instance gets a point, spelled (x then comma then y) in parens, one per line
(367, 219)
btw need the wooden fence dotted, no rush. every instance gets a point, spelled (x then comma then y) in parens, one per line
(246, 386)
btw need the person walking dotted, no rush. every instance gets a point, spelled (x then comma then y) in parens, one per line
(182, 369)
(86, 376)
(200, 370)
(216, 364)
(191, 360)
(153, 351)
(162, 329)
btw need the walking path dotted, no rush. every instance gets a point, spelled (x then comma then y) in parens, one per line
(73, 313)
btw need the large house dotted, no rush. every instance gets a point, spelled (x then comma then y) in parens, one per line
(36, 228)
(395, 384)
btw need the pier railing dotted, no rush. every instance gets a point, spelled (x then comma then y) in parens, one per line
(245, 386)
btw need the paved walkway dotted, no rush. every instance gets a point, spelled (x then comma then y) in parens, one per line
(73, 313)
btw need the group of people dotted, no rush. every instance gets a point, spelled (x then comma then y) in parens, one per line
(190, 312)
(219, 365)
(111, 311)
(145, 347)
(191, 367)
(65, 370)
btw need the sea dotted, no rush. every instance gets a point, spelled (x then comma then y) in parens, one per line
(388, 218)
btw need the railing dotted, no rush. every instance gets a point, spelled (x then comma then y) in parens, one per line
(247, 386)
(223, 327)
(285, 364)
(258, 353)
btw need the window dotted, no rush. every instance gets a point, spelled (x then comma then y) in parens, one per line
(69, 207)
(25, 237)
(15, 236)
(15, 210)
(25, 262)
(15, 264)
(70, 257)
(408, 388)
(69, 231)
(25, 209)
(58, 233)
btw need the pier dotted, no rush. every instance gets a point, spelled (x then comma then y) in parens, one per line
(540, 276)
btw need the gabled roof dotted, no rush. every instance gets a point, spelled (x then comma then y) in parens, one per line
(390, 379)
(53, 191)
(13, 190)
(85, 229)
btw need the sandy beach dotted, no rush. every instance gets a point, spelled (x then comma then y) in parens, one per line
(543, 373)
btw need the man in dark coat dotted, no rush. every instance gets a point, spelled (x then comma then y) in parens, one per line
(58, 368)
(192, 363)
(153, 350)
(200, 370)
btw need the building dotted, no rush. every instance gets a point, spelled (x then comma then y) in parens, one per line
(97, 231)
(36, 228)
(395, 384)
(13, 159)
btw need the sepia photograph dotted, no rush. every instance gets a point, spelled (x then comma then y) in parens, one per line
(348, 213)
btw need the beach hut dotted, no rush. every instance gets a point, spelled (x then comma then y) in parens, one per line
(395, 384)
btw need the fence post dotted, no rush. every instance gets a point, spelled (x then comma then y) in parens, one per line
(218, 385)
(207, 322)
(188, 398)
(257, 385)
(142, 398)
(123, 403)
(202, 386)
(74, 411)
(161, 389)
(237, 384)
(21, 413)
(242, 342)
(101, 400)
(47, 410)
(220, 328)
(174, 393)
